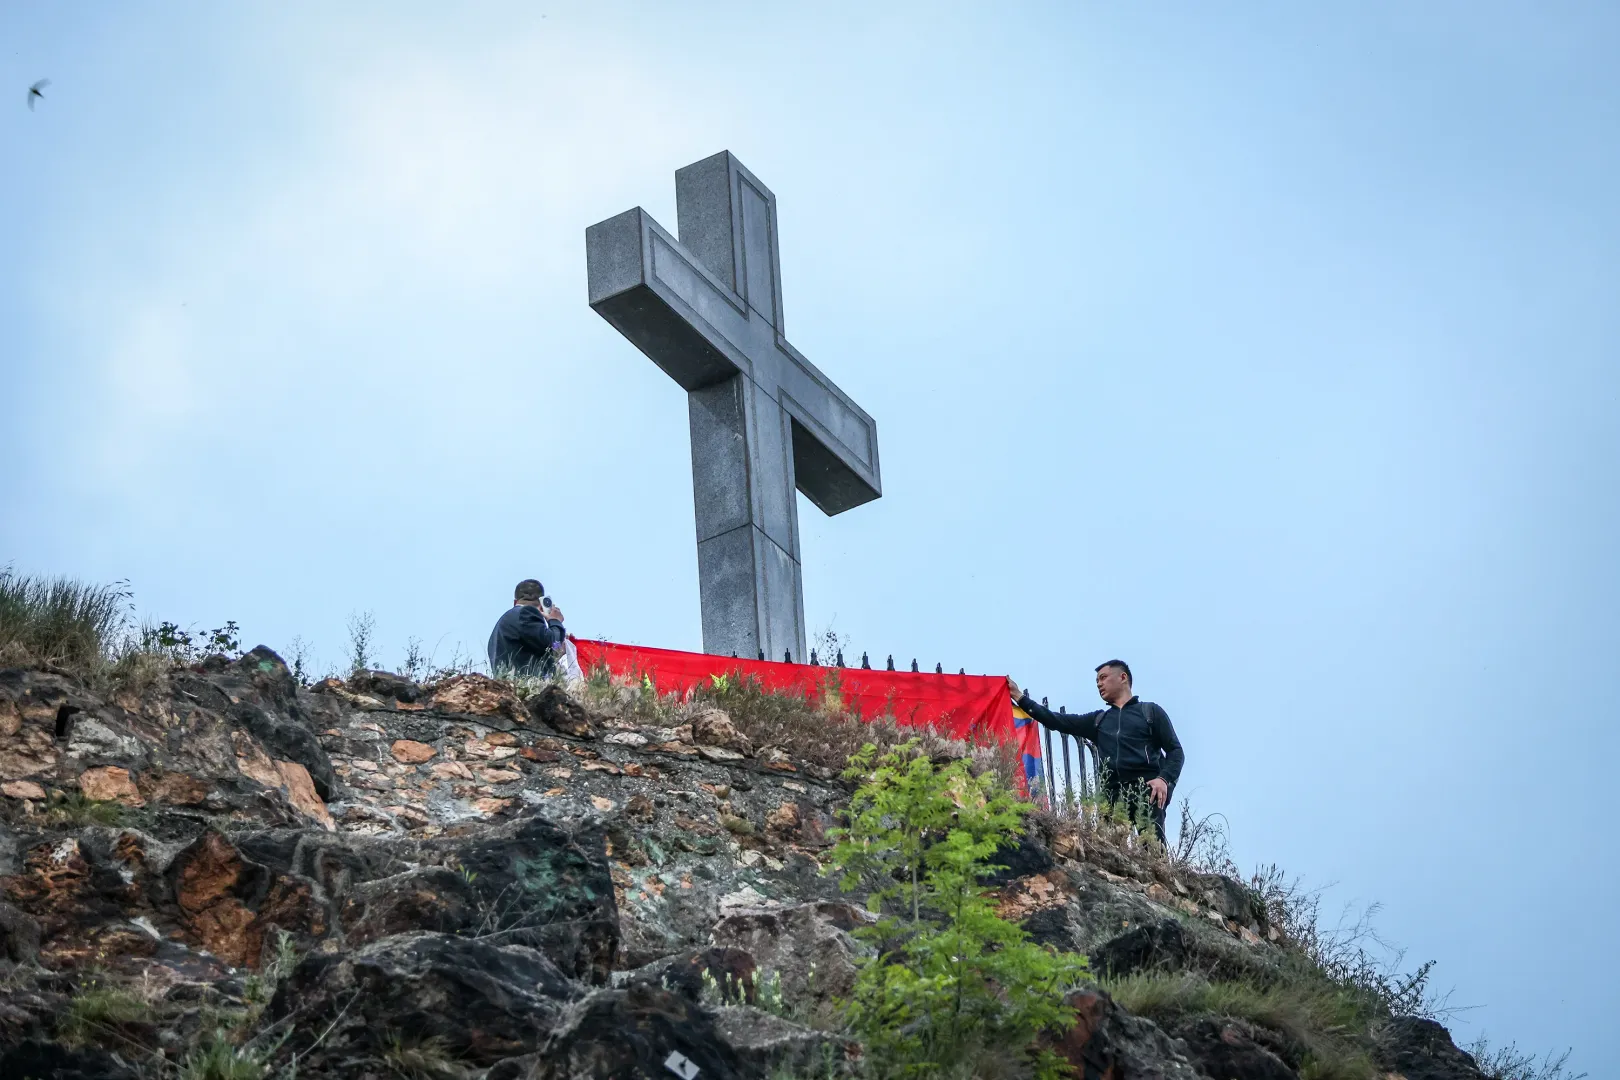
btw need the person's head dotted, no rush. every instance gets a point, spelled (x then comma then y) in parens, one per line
(528, 593)
(1114, 681)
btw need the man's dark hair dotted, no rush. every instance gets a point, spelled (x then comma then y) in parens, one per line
(528, 589)
(1122, 665)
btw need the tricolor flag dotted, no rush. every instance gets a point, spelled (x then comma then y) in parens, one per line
(1028, 734)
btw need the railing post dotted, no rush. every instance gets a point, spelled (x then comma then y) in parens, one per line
(939, 669)
(891, 661)
(914, 665)
(787, 656)
(1051, 775)
(1068, 781)
(866, 663)
(840, 657)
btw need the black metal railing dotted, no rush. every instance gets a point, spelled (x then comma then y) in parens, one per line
(1086, 763)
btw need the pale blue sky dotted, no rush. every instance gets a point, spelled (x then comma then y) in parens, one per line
(1271, 348)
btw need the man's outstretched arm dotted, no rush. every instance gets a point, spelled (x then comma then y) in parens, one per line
(1080, 725)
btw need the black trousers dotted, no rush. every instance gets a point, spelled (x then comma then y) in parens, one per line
(1130, 792)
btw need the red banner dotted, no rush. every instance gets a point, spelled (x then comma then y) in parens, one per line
(958, 706)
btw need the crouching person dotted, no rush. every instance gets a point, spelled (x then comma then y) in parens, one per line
(1140, 755)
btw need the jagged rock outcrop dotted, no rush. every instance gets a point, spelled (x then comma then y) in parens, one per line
(462, 881)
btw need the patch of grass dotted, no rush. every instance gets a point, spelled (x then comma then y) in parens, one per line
(218, 1059)
(87, 631)
(96, 1012)
(1327, 1025)
(421, 1059)
(71, 809)
(260, 987)
(529, 686)
(60, 621)
(632, 696)
(1349, 1065)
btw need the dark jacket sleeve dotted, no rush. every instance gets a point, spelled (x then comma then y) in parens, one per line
(536, 631)
(1080, 725)
(1163, 735)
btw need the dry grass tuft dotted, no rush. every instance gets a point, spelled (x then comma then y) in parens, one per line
(98, 1012)
(60, 622)
(1327, 1026)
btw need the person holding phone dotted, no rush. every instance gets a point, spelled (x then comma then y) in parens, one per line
(530, 637)
(1140, 753)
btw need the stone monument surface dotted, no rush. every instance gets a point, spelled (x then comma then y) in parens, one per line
(707, 308)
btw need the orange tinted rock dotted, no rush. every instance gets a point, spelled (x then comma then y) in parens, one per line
(207, 882)
(452, 770)
(784, 820)
(252, 762)
(28, 751)
(175, 789)
(411, 752)
(22, 789)
(478, 695)
(109, 783)
(301, 793)
(288, 777)
(204, 888)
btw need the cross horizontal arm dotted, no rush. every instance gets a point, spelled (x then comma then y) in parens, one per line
(835, 445)
(668, 305)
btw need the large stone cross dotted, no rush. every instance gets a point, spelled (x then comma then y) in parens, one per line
(708, 310)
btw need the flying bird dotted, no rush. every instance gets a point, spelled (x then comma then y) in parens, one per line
(34, 92)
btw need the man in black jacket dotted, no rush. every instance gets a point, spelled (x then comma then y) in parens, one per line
(1141, 756)
(528, 638)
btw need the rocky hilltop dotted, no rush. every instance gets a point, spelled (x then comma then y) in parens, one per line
(221, 873)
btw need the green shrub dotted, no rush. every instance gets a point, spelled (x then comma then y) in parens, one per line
(72, 809)
(218, 1059)
(950, 978)
(99, 1011)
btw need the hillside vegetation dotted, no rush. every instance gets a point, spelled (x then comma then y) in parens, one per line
(213, 867)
